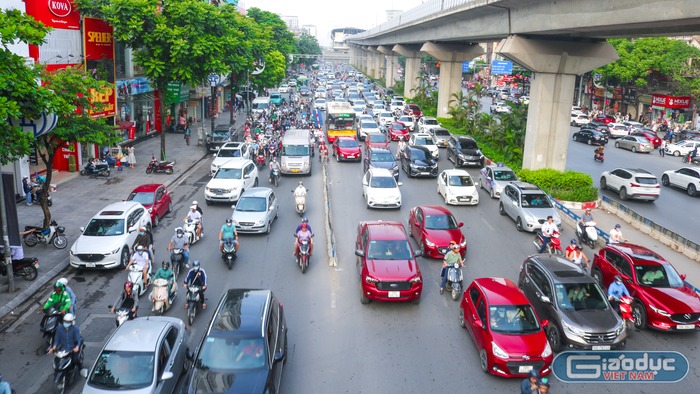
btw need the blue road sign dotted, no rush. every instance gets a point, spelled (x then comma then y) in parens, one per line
(502, 67)
(465, 67)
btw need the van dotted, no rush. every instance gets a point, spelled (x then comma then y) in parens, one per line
(261, 104)
(295, 156)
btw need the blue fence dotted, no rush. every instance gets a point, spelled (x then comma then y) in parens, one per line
(577, 218)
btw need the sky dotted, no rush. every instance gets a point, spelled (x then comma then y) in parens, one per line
(328, 15)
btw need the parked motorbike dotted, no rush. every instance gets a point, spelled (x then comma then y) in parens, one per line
(49, 324)
(53, 234)
(624, 310)
(599, 157)
(275, 177)
(300, 203)
(176, 260)
(193, 301)
(553, 246)
(455, 281)
(99, 169)
(136, 277)
(35, 190)
(160, 166)
(695, 160)
(589, 236)
(27, 268)
(161, 301)
(303, 254)
(190, 229)
(65, 371)
(229, 254)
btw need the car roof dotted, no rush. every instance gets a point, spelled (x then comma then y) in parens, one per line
(381, 230)
(118, 209)
(456, 171)
(422, 135)
(223, 126)
(379, 149)
(501, 291)
(257, 192)
(236, 162)
(562, 270)
(428, 118)
(241, 311)
(380, 172)
(638, 171)
(141, 334)
(231, 145)
(420, 147)
(151, 187)
(435, 210)
(638, 254)
(526, 187)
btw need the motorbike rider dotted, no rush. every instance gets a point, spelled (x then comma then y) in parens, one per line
(451, 257)
(578, 255)
(322, 151)
(144, 239)
(71, 294)
(401, 147)
(599, 150)
(616, 235)
(228, 231)
(178, 241)
(196, 276)
(304, 220)
(616, 290)
(570, 249)
(304, 234)
(140, 260)
(196, 217)
(543, 386)
(201, 220)
(128, 300)
(59, 299)
(300, 191)
(68, 338)
(548, 228)
(529, 385)
(585, 218)
(274, 166)
(5, 387)
(166, 273)
(255, 147)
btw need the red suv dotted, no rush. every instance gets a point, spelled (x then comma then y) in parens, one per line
(412, 109)
(388, 267)
(346, 148)
(604, 119)
(434, 227)
(661, 299)
(505, 329)
(398, 131)
(650, 135)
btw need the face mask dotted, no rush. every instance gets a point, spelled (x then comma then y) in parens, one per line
(142, 233)
(140, 253)
(179, 235)
(66, 325)
(228, 224)
(196, 268)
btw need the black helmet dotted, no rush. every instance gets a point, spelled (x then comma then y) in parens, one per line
(543, 382)
(166, 264)
(534, 374)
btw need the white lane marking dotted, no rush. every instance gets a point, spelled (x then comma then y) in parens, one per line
(332, 299)
(487, 224)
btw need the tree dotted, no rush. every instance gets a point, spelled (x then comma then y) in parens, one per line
(275, 67)
(306, 45)
(282, 39)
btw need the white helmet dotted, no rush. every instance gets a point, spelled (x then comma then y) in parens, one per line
(63, 281)
(195, 202)
(68, 317)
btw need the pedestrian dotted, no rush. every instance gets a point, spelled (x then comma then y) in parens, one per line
(529, 385)
(132, 156)
(27, 189)
(661, 148)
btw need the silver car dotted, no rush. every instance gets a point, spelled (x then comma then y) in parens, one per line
(145, 356)
(494, 178)
(635, 144)
(440, 135)
(528, 206)
(255, 211)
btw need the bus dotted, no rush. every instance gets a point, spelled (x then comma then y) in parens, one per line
(340, 121)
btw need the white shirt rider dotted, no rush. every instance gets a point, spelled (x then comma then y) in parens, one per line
(549, 228)
(300, 191)
(194, 215)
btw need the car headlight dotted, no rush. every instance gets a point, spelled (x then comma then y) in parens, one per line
(498, 352)
(414, 165)
(260, 222)
(208, 189)
(150, 209)
(571, 330)
(72, 253)
(427, 242)
(659, 311)
(547, 350)
(529, 218)
(619, 329)
(463, 244)
(475, 193)
(115, 251)
(415, 280)
(369, 279)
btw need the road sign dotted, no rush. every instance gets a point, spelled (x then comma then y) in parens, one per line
(217, 80)
(501, 67)
(465, 67)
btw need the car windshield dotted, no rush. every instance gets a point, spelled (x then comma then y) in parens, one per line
(251, 204)
(377, 138)
(460, 180)
(229, 153)
(144, 198)
(369, 125)
(320, 101)
(398, 126)
(385, 115)
(431, 122)
(513, 319)
(579, 296)
(658, 275)
(229, 173)
(535, 201)
(347, 143)
(417, 154)
(295, 150)
(441, 132)
(259, 105)
(116, 370)
(382, 182)
(504, 175)
(389, 250)
(359, 102)
(405, 119)
(220, 132)
(275, 96)
(381, 157)
(424, 141)
(104, 227)
(231, 354)
(440, 222)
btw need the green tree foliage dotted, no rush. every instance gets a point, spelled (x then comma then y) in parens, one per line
(282, 39)
(306, 45)
(275, 66)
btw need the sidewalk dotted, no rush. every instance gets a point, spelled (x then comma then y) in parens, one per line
(78, 198)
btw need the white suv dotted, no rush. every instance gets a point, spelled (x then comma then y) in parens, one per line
(426, 140)
(631, 183)
(579, 119)
(229, 151)
(106, 240)
(230, 181)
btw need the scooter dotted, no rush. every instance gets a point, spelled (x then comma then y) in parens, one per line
(49, 324)
(695, 160)
(98, 169)
(599, 157)
(136, 277)
(260, 162)
(303, 254)
(554, 245)
(36, 193)
(65, 371)
(191, 231)
(53, 234)
(300, 203)
(161, 301)
(455, 281)
(624, 309)
(229, 254)
(193, 301)
(27, 268)
(160, 166)
(176, 260)
(275, 177)
(589, 236)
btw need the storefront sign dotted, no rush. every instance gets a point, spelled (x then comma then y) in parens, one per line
(99, 62)
(61, 159)
(132, 132)
(645, 99)
(59, 14)
(130, 87)
(600, 92)
(670, 101)
(177, 93)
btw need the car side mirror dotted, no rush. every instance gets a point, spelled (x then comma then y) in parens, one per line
(132, 229)
(545, 299)
(625, 277)
(279, 357)
(233, 206)
(359, 253)
(416, 224)
(364, 183)
(461, 224)
(417, 253)
(545, 323)
(166, 375)
(682, 276)
(246, 176)
(84, 372)
(478, 323)
(82, 229)
(515, 203)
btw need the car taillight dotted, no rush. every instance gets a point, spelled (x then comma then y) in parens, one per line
(634, 185)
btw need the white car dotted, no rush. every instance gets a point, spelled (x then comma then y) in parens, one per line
(631, 183)
(292, 83)
(359, 103)
(525, 100)
(230, 181)
(426, 123)
(320, 93)
(503, 108)
(618, 130)
(320, 103)
(576, 109)
(408, 121)
(380, 189)
(681, 148)
(284, 89)
(229, 151)
(366, 127)
(578, 119)
(385, 118)
(685, 178)
(457, 187)
(106, 240)
(426, 140)
(378, 107)
(395, 105)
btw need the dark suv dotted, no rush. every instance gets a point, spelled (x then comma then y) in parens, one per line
(221, 134)
(244, 347)
(463, 150)
(418, 161)
(578, 311)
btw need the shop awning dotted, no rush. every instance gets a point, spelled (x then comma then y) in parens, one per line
(124, 125)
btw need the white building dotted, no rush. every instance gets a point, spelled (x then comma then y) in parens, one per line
(310, 30)
(291, 21)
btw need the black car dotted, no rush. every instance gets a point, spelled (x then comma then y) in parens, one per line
(418, 161)
(590, 136)
(463, 150)
(600, 126)
(304, 91)
(244, 347)
(381, 158)
(221, 134)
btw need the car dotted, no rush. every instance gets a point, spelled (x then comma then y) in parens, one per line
(426, 123)
(528, 206)
(387, 264)
(229, 151)
(367, 127)
(412, 109)
(579, 119)
(104, 243)
(463, 150)
(588, 323)
(687, 135)
(525, 100)
(604, 119)
(320, 103)
(359, 103)
(378, 157)
(358, 110)
(602, 127)
(618, 130)
(352, 97)
(408, 121)
(426, 140)
(346, 148)
(284, 89)
(433, 228)
(457, 187)
(495, 105)
(292, 83)
(632, 126)
(662, 300)
(320, 93)
(255, 211)
(505, 329)
(244, 347)
(304, 91)
(631, 183)
(440, 135)
(155, 198)
(384, 118)
(380, 189)
(418, 161)
(378, 108)
(494, 178)
(339, 99)
(590, 136)
(504, 94)
(230, 181)
(577, 109)
(648, 134)
(146, 355)
(681, 148)
(685, 178)
(394, 105)
(376, 140)
(635, 144)
(219, 136)
(398, 131)
(276, 98)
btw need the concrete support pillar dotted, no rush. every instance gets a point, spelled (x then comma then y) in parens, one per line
(451, 57)
(413, 56)
(555, 65)
(390, 68)
(376, 62)
(365, 59)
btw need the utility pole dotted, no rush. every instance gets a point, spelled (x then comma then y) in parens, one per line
(6, 239)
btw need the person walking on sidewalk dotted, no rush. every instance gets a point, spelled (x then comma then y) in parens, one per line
(661, 148)
(188, 133)
(132, 156)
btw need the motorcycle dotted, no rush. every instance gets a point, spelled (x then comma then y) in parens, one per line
(193, 301)
(123, 315)
(275, 177)
(49, 324)
(161, 301)
(160, 166)
(695, 160)
(99, 169)
(624, 310)
(553, 246)
(191, 231)
(53, 234)
(455, 281)
(260, 162)
(176, 260)
(599, 157)
(229, 254)
(65, 371)
(35, 190)
(136, 277)
(303, 254)
(589, 235)
(300, 203)
(27, 268)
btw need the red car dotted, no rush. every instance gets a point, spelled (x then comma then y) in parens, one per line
(604, 119)
(154, 197)
(434, 227)
(662, 300)
(346, 148)
(505, 329)
(413, 109)
(376, 140)
(398, 131)
(388, 267)
(650, 135)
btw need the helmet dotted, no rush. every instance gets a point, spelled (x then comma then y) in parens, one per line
(543, 382)
(534, 374)
(128, 284)
(139, 248)
(193, 207)
(68, 317)
(618, 279)
(195, 263)
(58, 285)
(166, 263)
(195, 202)
(573, 242)
(304, 219)
(229, 220)
(63, 281)
(179, 230)
(301, 183)
(579, 247)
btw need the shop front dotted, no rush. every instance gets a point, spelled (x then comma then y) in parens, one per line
(669, 109)
(137, 103)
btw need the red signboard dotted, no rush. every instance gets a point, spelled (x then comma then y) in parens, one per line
(59, 14)
(99, 62)
(62, 157)
(670, 101)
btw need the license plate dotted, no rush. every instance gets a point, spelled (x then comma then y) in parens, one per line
(90, 265)
(464, 198)
(606, 347)
(524, 368)
(246, 228)
(686, 326)
(295, 170)
(394, 294)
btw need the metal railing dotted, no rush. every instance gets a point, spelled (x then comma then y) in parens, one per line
(577, 218)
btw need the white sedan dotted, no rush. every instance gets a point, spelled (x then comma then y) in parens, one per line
(385, 118)
(408, 121)
(320, 103)
(457, 187)
(426, 140)
(685, 178)
(284, 89)
(618, 130)
(681, 148)
(380, 189)
(395, 105)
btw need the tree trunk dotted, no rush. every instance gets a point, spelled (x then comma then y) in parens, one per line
(48, 162)
(162, 93)
(232, 109)
(213, 107)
